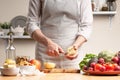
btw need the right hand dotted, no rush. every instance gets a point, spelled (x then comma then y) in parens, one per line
(54, 49)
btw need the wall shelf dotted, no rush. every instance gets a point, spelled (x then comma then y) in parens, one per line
(16, 37)
(112, 13)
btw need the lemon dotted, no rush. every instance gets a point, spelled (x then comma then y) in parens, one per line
(49, 65)
(9, 63)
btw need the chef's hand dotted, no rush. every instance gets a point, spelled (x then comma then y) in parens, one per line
(54, 49)
(72, 52)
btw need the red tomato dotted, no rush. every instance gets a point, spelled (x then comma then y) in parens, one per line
(109, 67)
(116, 67)
(115, 64)
(90, 68)
(36, 63)
(97, 67)
(92, 64)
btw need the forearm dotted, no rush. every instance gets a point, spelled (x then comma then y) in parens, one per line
(52, 48)
(40, 37)
(79, 41)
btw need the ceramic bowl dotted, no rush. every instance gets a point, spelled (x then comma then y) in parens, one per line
(1, 33)
(18, 33)
(9, 71)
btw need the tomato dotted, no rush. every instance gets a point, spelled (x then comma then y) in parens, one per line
(97, 67)
(90, 69)
(92, 64)
(115, 59)
(36, 63)
(109, 67)
(116, 67)
(115, 64)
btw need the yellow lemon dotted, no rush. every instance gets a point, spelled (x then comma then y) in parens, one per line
(49, 65)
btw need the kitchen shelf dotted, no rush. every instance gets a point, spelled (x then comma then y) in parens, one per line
(112, 13)
(16, 37)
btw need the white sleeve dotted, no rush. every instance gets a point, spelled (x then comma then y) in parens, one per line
(33, 19)
(85, 18)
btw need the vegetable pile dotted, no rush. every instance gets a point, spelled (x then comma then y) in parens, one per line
(104, 61)
(86, 59)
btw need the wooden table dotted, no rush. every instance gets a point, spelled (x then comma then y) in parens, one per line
(61, 76)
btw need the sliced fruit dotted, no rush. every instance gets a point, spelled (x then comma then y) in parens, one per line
(71, 51)
(9, 63)
(9, 66)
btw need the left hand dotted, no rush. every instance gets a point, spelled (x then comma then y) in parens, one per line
(72, 53)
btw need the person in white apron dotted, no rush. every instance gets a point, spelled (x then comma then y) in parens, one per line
(57, 25)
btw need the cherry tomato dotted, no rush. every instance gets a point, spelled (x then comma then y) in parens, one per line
(109, 67)
(90, 68)
(116, 67)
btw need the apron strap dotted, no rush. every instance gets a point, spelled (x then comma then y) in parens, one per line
(43, 4)
(78, 19)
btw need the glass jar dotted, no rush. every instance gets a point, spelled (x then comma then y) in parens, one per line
(93, 5)
(111, 6)
(10, 50)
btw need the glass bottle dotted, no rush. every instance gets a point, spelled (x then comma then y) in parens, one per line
(111, 5)
(93, 5)
(10, 50)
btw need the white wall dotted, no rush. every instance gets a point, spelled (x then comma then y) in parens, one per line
(103, 37)
(12, 8)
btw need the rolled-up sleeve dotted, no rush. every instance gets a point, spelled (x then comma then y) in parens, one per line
(85, 19)
(33, 18)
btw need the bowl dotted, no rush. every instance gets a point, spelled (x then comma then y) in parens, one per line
(1, 33)
(9, 71)
(18, 33)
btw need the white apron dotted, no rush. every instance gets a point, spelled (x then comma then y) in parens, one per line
(59, 23)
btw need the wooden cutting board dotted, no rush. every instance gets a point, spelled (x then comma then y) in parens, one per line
(57, 70)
